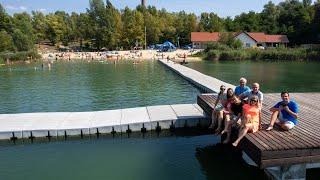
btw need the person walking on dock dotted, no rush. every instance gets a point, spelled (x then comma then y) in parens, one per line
(242, 87)
(286, 111)
(250, 119)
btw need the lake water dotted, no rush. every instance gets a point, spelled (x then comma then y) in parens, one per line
(272, 76)
(157, 158)
(75, 86)
(95, 86)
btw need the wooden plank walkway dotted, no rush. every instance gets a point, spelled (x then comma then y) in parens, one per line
(277, 147)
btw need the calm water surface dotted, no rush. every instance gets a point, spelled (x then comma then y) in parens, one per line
(272, 76)
(94, 86)
(183, 157)
(85, 86)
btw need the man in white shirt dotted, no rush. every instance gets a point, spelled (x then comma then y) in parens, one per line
(255, 91)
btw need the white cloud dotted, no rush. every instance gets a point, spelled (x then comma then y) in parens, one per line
(15, 8)
(10, 7)
(22, 8)
(42, 10)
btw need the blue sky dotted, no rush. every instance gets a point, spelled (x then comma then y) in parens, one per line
(223, 8)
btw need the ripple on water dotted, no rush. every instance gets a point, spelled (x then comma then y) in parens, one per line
(80, 86)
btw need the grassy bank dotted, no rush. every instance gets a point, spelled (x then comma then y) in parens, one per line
(19, 56)
(286, 54)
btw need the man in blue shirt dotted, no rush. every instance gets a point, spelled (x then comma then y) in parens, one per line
(286, 111)
(242, 87)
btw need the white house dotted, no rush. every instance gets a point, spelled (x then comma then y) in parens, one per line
(249, 39)
(260, 39)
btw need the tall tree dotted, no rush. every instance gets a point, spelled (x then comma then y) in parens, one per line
(97, 13)
(210, 22)
(23, 36)
(229, 25)
(269, 18)
(133, 28)
(113, 25)
(84, 28)
(39, 25)
(316, 23)
(307, 3)
(6, 42)
(295, 20)
(5, 20)
(55, 28)
(22, 41)
(250, 22)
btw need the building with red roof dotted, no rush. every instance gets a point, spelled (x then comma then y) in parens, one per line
(249, 39)
(201, 39)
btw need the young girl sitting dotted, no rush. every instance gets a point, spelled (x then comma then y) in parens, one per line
(250, 119)
(218, 106)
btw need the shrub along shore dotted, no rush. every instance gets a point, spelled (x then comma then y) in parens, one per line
(19, 56)
(222, 52)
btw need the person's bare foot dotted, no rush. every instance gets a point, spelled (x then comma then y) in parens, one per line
(224, 131)
(235, 144)
(269, 128)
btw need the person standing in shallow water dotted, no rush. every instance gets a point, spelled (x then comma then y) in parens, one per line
(286, 111)
(242, 87)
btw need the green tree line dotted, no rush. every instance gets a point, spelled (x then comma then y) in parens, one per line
(104, 26)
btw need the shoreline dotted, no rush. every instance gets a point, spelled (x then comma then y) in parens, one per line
(121, 55)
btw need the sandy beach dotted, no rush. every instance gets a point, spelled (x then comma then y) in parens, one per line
(177, 55)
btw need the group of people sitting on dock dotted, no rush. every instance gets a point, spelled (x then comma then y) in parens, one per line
(242, 106)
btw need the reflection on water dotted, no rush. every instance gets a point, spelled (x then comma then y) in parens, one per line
(272, 76)
(179, 155)
(224, 162)
(169, 157)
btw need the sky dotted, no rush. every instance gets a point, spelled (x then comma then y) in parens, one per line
(223, 8)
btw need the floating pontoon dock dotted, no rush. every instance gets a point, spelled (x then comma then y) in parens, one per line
(51, 124)
(284, 154)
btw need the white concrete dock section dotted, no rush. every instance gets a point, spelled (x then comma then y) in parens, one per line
(54, 124)
(206, 83)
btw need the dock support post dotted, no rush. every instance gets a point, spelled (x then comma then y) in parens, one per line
(97, 133)
(172, 127)
(49, 136)
(31, 137)
(13, 138)
(143, 129)
(65, 135)
(128, 130)
(158, 128)
(297, 171)
(81, 134)
(113, 132)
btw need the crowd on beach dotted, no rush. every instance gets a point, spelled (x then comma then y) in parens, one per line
(178, 55)
(242, 107)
